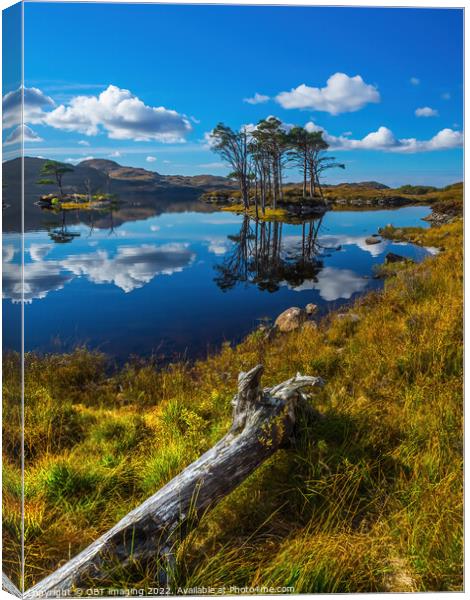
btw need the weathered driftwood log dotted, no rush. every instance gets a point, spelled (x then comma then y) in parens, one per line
(9, 586)
(263, 421)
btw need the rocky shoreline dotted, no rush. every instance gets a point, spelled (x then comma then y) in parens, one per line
(439, 218)
(446, 202)
(377, 201)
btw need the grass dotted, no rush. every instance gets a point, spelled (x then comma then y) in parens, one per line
(270, 214)
(77, 201)
(369, 498)
(81, 205)
(448, 200)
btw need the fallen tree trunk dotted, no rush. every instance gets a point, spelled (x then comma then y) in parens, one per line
(263, 421)
(9, 586)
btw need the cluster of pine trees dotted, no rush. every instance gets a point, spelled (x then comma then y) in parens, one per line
(259, 155)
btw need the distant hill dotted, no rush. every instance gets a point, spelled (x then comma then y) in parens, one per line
(136, 188)
(32, 167)
(371, 185)
(105, 176)
(136, 176)
(100, 164)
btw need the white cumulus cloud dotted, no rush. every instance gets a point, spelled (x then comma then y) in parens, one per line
(150, 159)
(341, 94)
(122, 115)
(445, 139)
(34, 102)
(426, 111)
(28, 135)
(383, 139)
(256, 99)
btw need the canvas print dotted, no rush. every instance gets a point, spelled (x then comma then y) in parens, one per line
(232, 299)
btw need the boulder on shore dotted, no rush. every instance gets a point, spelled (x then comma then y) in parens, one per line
(290, 319)
(311, 308)
(437, 218)
(391, 257)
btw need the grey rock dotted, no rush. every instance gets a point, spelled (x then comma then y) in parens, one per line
(291, 319)
(310, 308)
(391, 257)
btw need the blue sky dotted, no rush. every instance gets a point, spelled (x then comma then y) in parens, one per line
(384, 84)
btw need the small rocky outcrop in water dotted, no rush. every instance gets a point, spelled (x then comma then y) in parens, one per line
(373, 239)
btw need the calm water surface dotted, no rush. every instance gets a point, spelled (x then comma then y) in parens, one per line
(182, 283)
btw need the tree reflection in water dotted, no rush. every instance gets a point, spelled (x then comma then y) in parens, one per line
(258, 256)
(62, 235)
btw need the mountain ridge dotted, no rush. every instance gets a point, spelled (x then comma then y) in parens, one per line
(118, 172)
(108, 175)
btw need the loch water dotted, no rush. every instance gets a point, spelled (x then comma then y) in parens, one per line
(180, 283)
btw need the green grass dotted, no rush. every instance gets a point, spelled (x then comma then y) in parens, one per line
(369, 498)
(270, 214)
(447, 200)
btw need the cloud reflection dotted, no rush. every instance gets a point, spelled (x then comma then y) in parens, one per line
(218, 246)
(40, 278)
(129, 269)
(333, 284)
(348, 240)
(8, 252)
(39, 251)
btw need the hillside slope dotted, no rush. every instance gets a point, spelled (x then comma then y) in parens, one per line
(147, 188)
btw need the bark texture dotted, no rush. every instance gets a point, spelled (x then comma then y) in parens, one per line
(9, 586)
